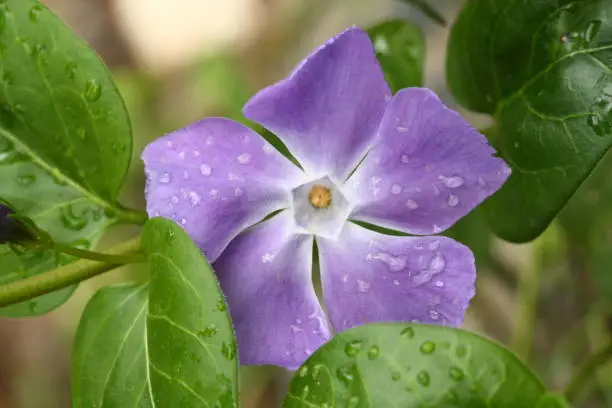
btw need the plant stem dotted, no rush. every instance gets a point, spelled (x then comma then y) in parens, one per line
(98, 256)
(588, 370)
(65, 276)
(131, 216)
(527, 298)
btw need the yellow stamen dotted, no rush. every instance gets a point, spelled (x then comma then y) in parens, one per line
(320, 196)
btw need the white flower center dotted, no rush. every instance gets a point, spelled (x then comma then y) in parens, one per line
(320, 208)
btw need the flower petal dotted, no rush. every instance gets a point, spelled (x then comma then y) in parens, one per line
(328, 110)
(370, 277)
(428, 169)
(216, 177)
(266, 275)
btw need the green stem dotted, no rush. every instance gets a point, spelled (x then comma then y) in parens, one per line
(97, 256)
(131, 216)
(63, 276)
(527, 298)
(588, 370)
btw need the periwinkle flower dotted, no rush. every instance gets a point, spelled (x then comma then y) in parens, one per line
(404, 162)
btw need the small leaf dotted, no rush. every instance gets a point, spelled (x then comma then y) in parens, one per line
(428, 10)
(553, 401)
(400, 48)
(543, 70)
(412, 366)
(192, 351)
(65, 139)
(109, 365)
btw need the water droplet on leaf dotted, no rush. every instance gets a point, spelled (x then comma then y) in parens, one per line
(428, 347)
(423, 378)
(407, 333)
(35, 13)
(353, 348)
(93, 90)
(373, 353)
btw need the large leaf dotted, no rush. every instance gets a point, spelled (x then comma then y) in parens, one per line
(65, 138)
(412, 366)
(544, 70)
(400, 49)
(109, 364)
(192, 350)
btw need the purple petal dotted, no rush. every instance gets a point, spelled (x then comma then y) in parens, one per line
(370, 277)
(266, 275)
(216, 177)
(328, 110)
(428, 169)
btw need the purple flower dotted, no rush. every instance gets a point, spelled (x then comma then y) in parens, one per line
(10, 229)
(419, 168)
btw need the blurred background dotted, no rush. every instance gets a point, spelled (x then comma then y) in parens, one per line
(176, 61)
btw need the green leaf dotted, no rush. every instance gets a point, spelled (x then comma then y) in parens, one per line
(65, 139)
(428, 10)
(192, 350)
(553, 401)
(412, 366)
(400, 48)
(544, 70)
(109, 364)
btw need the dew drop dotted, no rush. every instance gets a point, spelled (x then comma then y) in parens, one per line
(221, 305)
(205, 169)
(165, 178)
(175, 199)
(396, 189)
(592, 30)
(244, 158)
(428, 347)
(118, 147)
(437, 263)
(93, 90)
(238, 192)
(81, 134)
(303, 372)
(453, 182)
(461, 351)
(35, 13)
(353, 402)
(396, 376)
(373, 353)
(395, 264)
(405, 158)
(453, 200)
(70, 70)
(407, 333)
(208, 331)
(456, 374)
(434, 314)
(439, 284)
(229, 350)
(423, 378)
(26, 180)
(305, 392)
(345, 375)
(411, 204)
(194, 198)
(363, 286)
(452, 397)
(353, 348)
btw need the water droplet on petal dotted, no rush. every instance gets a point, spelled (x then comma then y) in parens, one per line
(244, 158)
(238, 192)
(205, 169)
(434, 314)
(405, 158)
(439, 284)
(194, 198)
(453, 182)
(453, 200)
(396, 189)
(395, 264)
(165, 178)
(363, 286)
(412, 204)
(437, 263)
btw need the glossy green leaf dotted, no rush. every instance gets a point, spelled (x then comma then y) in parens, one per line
(65, 138)
(428, 10)
(553, 401)
(412, 366)
(192, 350)
(109, 364)
(544, 70)
(400, 49)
